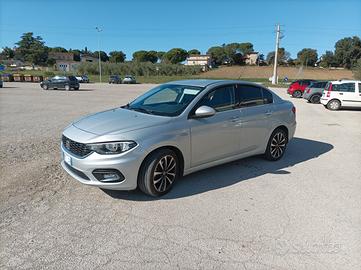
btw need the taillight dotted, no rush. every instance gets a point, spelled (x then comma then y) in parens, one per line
(308, 90)
(294, 109)
(329, 90)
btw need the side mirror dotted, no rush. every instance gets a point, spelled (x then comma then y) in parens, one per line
(204, 111)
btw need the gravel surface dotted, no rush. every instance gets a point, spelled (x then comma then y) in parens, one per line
(302, 212)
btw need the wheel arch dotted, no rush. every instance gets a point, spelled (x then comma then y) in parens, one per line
(175, 149)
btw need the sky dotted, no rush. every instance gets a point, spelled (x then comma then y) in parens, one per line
(161, 25)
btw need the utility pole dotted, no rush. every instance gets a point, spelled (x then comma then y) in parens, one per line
(274, 78)
(100, 62)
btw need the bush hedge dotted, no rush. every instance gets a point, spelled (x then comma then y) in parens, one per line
(138, 69)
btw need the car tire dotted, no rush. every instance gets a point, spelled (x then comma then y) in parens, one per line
(276, 145)
(158, 173)
(334, 105)
(45, 87)
(67, 88)
(315, 99)
(76, 88)
(297, 94)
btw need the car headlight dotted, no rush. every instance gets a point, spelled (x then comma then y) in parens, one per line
(112, 148)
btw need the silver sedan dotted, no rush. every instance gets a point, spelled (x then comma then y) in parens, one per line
(176, 129)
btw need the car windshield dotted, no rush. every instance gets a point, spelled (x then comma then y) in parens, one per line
(165, 100)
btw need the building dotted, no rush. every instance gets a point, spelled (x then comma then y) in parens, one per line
(204, 61)
(251, 58)
(61, 56)
(88, 58)
(65, 65)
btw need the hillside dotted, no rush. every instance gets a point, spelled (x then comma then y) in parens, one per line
(238, 72)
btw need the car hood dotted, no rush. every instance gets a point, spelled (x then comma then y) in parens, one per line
(118, 121)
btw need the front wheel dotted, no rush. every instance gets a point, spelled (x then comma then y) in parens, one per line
(158, 173)
(45, 87)
(276, 145)
(67, 87)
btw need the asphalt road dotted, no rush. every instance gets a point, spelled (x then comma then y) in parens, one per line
(302, 212)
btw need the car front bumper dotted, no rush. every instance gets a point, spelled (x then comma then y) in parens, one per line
(81, 169)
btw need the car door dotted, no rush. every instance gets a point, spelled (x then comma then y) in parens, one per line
(346, 92)
(359, 95)
(216, 137)
(256, 105)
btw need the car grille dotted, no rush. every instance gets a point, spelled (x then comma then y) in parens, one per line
(78, 149)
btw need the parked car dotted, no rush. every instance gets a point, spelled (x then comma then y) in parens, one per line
(1, 83)
(82, 79)
(342, 93)
(129, 79)
(61, 82)
(115, 79)
(313, 92)
(297, 88)
(175, 129)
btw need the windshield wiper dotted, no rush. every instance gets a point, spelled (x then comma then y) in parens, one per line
(142, 110)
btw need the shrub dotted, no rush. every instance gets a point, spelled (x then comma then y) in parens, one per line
(139, 69)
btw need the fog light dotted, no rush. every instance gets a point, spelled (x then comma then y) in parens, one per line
(108, 175)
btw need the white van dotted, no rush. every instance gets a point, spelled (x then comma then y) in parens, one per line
(342, 93)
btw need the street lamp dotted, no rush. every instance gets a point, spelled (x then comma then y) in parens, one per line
(100, 63)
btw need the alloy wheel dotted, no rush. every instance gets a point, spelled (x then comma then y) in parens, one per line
(278, 145)
(164, 173)
(334, 105)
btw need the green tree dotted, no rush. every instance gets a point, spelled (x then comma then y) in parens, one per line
(245, 48)
(328, 60)
(175, 55)
(357, 70)
(7, 53)
(57, 49)
(116, 57)
(152, 56)
(50, 62)
(31, 49)
(76, 53)
(348, 51)
(307, 57)
(160, 55)
(283, 57)
(140, 56)
(103, 55)
(194, 52)
(218, 55)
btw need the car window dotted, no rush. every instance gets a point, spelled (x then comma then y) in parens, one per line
(249, 95)
(267, 96)
(344, 87)
(220, 99)
(359, 88)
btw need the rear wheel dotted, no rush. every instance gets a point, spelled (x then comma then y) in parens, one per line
(315, 99)
(76, 88)
(45, 87)
(159, 172)
(276, 145)
(334, 105)
(67, 87)
(297, 94)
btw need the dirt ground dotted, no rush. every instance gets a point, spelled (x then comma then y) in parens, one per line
(237, 72)
(302, 212)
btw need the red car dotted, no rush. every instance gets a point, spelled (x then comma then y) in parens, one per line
(297, 88)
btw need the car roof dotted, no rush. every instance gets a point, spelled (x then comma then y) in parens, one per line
(345, 81)
(208, 82)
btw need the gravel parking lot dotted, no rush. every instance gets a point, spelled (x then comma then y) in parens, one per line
(302, 212)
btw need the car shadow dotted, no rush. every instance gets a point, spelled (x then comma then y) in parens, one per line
(298, 151)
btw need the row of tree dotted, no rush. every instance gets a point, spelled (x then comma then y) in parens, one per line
(347, 51)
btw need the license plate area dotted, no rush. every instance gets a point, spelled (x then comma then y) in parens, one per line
(67, 159)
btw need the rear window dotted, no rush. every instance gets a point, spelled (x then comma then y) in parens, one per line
(344, 87)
